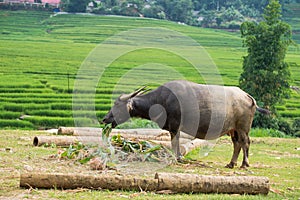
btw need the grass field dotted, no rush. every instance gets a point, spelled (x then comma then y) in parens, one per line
(276, 158)
(41, 55)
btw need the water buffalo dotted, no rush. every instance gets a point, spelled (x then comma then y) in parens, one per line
(203, 111)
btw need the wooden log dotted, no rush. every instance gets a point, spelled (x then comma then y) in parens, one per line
(174, 182)
(65, 141)
(188, 146)
(185, 145)
(73, 181)
(187, 183)
(145, 137)
(87, 131)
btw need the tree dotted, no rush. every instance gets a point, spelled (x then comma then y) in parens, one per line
(177, 10)
(265, 73)
(74, 5)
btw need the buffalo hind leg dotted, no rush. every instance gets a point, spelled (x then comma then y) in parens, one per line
(175, 144)
(236, 150)
(245, 146)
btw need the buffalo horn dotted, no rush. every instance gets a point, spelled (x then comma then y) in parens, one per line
(140, 91)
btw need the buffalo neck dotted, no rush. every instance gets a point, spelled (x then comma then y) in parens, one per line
(141, 105)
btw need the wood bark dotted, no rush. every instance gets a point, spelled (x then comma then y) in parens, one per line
(73, 181)
(175, 182)
(185, 145)
(65, 141)
(188, 146)
(187, 183)
(87, 131)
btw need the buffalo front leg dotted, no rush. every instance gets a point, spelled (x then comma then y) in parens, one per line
(236, 150)
(175, 144)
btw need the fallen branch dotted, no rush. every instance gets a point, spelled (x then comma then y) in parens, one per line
(173, 182)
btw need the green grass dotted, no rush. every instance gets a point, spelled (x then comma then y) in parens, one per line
(40, 57)
(276, 158)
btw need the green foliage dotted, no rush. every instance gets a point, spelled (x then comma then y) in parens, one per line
(177, 10)
(106, 132)
(265, 74)
(72, 151)
(21, 124)
(256, 132)
(296, 127)
(74, 5)
(285, 127)
(136, 123)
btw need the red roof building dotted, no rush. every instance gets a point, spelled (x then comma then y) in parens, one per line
(50, 2)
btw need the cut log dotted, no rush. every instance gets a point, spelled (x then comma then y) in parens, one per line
(79, 130)
(185, 145)
(86, 131)
(175, 183)
(65, 141)
(187, 183)
(73, 181)
(145, 137)
(188, 146)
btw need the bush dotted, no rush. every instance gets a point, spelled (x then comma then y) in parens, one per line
(296, 127)
(266, 122)
(285, 127)
(273, 123)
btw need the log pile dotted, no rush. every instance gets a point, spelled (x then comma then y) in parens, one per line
(173, 182)
(71, 135)
(160, 183)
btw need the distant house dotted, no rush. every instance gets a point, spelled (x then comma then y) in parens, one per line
(44, 2)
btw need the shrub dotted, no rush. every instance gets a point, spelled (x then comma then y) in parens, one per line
(296, 127)
(285, 127)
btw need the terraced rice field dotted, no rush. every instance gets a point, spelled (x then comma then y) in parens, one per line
(41, 55)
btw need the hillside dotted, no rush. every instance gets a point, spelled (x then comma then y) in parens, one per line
(41, 55)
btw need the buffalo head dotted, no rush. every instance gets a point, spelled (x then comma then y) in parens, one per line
(119, 113)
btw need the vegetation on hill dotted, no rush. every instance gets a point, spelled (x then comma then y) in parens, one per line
(42, 53)
(205, 13)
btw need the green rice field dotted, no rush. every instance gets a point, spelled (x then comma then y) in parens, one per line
(41, 55)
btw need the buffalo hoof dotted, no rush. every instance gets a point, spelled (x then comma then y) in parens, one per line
(180, 159)
(230, 165)
(244, 165)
